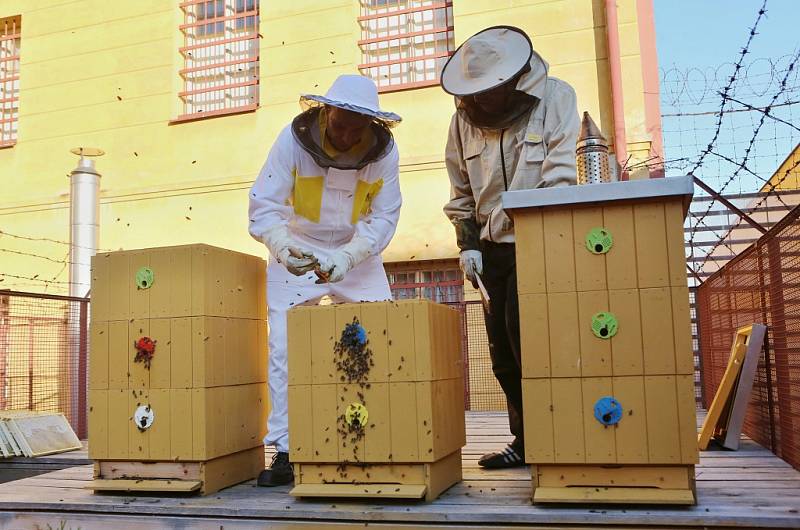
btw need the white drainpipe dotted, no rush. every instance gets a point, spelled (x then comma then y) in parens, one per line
(84, 213)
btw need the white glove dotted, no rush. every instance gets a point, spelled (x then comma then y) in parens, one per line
(286, 250)
(335, 266)
(471, 262)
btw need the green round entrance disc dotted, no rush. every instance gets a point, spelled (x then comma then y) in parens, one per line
(604, 325)
(599, 240)
(144, 278)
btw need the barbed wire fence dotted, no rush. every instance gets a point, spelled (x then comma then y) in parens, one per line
(733, 127)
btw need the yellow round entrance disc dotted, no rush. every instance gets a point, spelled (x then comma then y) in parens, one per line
(356, 415)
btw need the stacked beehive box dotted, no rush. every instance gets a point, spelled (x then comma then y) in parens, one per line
(608, 374)
(191, 415)
(387, 421)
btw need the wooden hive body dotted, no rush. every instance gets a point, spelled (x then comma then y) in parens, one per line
(413, 392)
(205, 384)
(647, 366)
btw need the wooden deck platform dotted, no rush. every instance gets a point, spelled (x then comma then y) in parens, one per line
(18, 467)
(750, 488)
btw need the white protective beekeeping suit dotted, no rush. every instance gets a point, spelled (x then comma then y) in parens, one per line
(297, 201)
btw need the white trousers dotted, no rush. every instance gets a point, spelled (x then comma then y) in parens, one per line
(365, 283)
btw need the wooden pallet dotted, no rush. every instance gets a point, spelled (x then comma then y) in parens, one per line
(391, 481)
(630, 484)
(204, 477)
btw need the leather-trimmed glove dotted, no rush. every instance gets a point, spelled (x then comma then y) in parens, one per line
(341, 261)
(471, 262)
(286, 250)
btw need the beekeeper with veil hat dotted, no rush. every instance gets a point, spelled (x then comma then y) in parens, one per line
(325, 204)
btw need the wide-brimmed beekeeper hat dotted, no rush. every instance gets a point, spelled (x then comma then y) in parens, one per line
(355, 93)
(487, 60)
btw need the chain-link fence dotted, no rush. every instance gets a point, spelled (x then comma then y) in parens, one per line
(760, 285)
(43, 354)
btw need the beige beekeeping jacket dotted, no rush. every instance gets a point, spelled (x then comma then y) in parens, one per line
(538, 148)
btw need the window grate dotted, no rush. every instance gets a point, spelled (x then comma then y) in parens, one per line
(405, 43)
(9, 79)
(221, 55)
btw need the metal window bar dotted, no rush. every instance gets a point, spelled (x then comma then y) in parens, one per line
(44, 354)
(405, 43)
(221, 57)
(10, 30)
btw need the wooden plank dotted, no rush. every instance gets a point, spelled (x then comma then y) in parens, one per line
(662, 420)
(99, 308)
(373, 318)
(378, 430)
(174, 486)
(160, 294)
(558, 251)
(298, 332)
(676, 250)
(426, 401)
(590, 268)
(140, 298)
(626, 346)
(325, 438)
(98, 423)
(160, 373)
(568, 431)
(351, 448)
(529, 235)
(200, 269)
(139, 374)
(118, 350)
(658, 347)
(160, 433)
(139, 441)
(181, 427)
(664, 477)
(613, 495)
(595, 353)
(562, 311)
(119, 416)
(360, 491)
(400, 343)
(631, 432)
(180, 282)
(151, 470)
(231, 469)
(423, 346)
(403, 403)
(119, 284)
(534, 335)
(538, 421)
(98, 360)
(621, 264)
(323, 322)
(181, 353)
(687, 418)
(201, 445)
(600, 445)
(682, 331)
(215, 352)
(651, 245)
(442, 474)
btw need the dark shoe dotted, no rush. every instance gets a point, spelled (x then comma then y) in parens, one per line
(280, 472)
(508, 457)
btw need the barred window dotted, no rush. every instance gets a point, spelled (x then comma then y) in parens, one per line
(9, 79)
(405, 43)
(220, 52)
(439, 282)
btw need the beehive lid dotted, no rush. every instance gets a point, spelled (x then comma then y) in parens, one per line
(629, 190)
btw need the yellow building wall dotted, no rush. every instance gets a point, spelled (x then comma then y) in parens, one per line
(105, 74)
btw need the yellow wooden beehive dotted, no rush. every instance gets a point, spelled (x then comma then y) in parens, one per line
(410, 401)
(193, 417)
(604, 312)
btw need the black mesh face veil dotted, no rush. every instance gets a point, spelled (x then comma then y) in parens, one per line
(305, 130)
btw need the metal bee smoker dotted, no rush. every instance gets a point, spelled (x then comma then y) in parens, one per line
(592, 154)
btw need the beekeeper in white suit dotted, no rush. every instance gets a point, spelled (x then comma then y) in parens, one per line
(326, 203)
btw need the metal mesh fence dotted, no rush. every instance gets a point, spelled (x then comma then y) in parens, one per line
(43, 354)
(762, 284)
